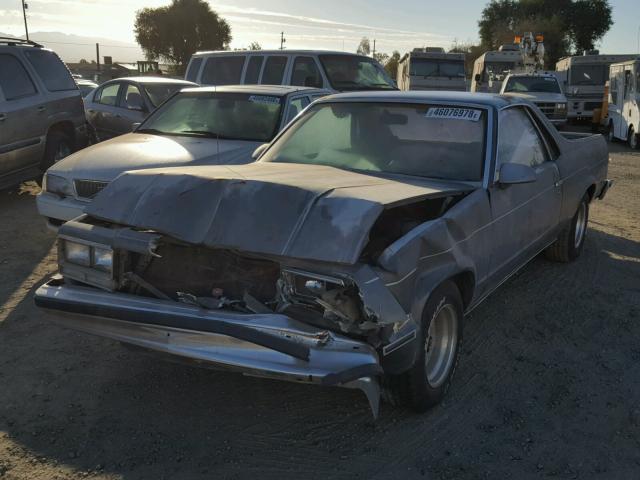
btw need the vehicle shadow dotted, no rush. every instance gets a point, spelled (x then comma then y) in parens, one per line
(528, 396)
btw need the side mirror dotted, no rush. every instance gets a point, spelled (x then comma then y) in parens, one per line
(257, 153)
(515, 173)
(478, 77)
(134, 126)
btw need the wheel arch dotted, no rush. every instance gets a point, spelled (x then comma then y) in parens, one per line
(66, 127)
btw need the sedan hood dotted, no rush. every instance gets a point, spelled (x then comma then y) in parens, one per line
(538, 97)
(310, 212)
(134, 151)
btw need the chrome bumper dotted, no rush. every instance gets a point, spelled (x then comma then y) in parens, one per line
(264, 345)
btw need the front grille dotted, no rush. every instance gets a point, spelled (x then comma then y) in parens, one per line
(547, 108)
(89, 188)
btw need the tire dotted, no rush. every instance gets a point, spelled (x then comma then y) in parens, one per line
(427, 382)
(58, 146)
(569, 244)
(632, 139)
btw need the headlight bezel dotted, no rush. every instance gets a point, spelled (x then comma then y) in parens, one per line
(103, 264)
(58, 185)
(561, 107)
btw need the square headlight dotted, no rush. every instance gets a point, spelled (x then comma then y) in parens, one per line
(77, 253)
(102, 259)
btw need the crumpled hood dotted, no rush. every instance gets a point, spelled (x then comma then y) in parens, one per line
(105, 161)
(308, 212)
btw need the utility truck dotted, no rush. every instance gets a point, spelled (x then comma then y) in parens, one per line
(624, 99)
(431, 68)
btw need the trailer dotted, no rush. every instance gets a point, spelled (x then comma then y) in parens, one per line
(624, 99)
(432, 69)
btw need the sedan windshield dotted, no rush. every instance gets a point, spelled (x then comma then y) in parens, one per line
(350, 72)
(159, 92)
(231, 116)
(418, 140)
(532, 84)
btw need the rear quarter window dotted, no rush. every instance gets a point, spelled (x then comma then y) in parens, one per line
(53, 73)
(14, 79)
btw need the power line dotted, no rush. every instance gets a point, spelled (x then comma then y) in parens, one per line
(86, 44)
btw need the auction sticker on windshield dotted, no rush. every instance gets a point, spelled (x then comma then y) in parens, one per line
(448, 113)
(264, 99)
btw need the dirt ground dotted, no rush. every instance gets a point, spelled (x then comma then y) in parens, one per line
(548, 384)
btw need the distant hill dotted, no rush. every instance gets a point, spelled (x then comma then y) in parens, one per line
(73, 48)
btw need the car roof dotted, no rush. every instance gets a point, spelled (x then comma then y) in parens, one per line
(273, 90)
(482, 99)
(144, 80)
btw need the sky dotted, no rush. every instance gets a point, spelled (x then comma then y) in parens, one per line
(327, 24)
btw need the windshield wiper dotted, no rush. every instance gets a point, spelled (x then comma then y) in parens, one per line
(208, 134)
(153, 131)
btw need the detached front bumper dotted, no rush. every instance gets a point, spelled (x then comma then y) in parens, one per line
(57, 210)
(265, 345)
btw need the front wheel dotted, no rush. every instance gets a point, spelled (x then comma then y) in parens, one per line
(610, 133)
(58, 146)
(632, 139)
(569, 244)
(440, 337)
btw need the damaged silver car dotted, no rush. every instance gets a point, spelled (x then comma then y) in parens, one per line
(347, 255)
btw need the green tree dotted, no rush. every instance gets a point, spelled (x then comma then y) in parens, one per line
(255, 46)
(566, 24)
(391, 65)
(175, 32)
(471, 54)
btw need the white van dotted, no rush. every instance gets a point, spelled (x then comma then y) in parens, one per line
(337, 71)
(624, 100)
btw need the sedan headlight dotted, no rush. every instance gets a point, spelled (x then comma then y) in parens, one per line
(100, 258)
(58, 185)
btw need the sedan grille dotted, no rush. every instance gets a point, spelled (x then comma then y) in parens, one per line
(549, 110)
(89, 188)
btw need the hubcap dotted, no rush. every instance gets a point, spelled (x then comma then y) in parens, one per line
(581, 224)
(633, 139)
(62, 151)
(440, 345)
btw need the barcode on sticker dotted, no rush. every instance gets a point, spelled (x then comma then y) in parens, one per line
(264, 99)
(454, 113)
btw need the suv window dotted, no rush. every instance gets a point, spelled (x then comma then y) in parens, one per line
(14, 79)
(223, 70)
(518, 139)
(108, 95)
(51, 70)
(306, 73)
(194, 68)
(274, 70)
(253, 70)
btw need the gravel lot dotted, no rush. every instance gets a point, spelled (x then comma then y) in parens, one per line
(548, 384)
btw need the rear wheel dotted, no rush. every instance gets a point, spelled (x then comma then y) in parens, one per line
(570, 242)
(440, 337)
(632, 139)
(58, 146)
(610, 133)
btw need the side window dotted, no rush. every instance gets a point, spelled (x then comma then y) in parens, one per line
(274, 71)
(14, 79)
(253, 70)
(306, 73)
(613, 89)
(296, 106)
(225, 70)
(108, 95)
(518, 139)
(627, 84)
(132, 98)
(53, 73)
(194, 68)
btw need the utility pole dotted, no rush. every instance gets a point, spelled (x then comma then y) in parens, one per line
(98, 56)
(374, 48)
(25, 6)
(282, 40)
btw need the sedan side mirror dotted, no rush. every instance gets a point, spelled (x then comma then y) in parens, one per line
(515, 173)
(257, 153)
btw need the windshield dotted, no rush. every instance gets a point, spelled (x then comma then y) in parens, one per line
(418, 140)
(350, 72)
(159, 92)
(230, 116)
(532, 84)
(589, 74)
(426, 67)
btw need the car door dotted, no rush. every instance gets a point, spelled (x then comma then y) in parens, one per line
(103, 110)
(21, 134)
(524, 216)
(131, 108)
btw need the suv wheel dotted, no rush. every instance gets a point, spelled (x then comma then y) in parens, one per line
(440, 339)
(632, 139)
(58, 147)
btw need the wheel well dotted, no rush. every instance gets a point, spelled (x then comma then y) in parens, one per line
(591, 191)
(466, 283)
(66, 128)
